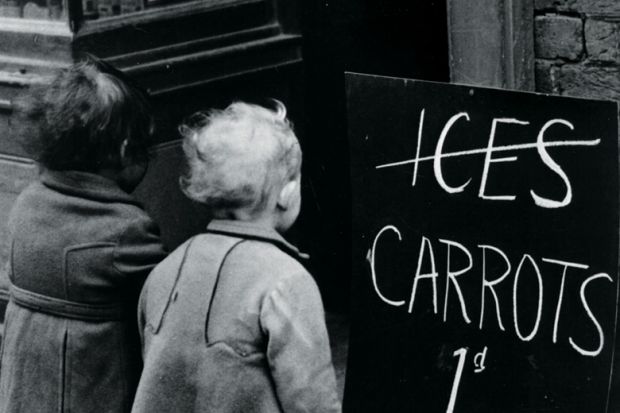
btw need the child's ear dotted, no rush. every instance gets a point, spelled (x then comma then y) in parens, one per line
(287, 195)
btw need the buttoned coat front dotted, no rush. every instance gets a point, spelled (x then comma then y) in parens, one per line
(80, 251)
(233, 323)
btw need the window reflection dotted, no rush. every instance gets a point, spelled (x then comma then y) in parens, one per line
(94, 9)
(91, 9)
(33, 9)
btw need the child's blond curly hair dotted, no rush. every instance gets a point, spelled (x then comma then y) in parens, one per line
(237, 156)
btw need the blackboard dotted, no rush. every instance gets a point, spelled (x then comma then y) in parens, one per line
(485, 250)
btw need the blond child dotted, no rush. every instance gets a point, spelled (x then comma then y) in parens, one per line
(231, 321)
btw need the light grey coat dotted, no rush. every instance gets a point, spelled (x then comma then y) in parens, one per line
(232, 322)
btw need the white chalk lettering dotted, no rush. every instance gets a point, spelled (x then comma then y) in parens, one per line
(461, 354)
(540, 145)
(492, 275)
(418, 275)
(451, 277)
(372, 264)
(479, 360)
(488, 159)
(526, 257)
(558, 307)
(417, 149)
(491, 284)
(582, 292)
(544, 155)
(438, 155)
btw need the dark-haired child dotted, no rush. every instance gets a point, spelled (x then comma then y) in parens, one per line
(231, 321)
(81, 247)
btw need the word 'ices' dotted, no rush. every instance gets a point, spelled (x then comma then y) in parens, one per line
(489, 152)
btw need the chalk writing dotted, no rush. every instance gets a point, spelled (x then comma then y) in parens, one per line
(558, 308)
(484, 246)
(540, 145)
(515, 300)
(479, 360)
(372, 265)
(451, 276)
(426, 258)
(491, 284)
(426, 245)
(582, 293)
(461, 354)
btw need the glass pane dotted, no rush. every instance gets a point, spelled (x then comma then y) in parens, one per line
(33, 9)
(94, 9)
(105, 8)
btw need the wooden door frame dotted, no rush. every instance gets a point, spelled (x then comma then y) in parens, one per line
(491, 43)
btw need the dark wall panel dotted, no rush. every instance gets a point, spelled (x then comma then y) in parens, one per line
(393, 38)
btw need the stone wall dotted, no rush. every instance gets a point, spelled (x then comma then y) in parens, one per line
(577, 47)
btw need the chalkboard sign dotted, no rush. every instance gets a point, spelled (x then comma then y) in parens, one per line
(485, 250)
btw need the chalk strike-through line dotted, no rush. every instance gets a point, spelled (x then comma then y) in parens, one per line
(493, 149)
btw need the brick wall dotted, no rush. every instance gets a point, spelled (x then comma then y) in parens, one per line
(577, 47)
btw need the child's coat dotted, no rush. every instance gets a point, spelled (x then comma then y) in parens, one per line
(81, 249)
(233, 323)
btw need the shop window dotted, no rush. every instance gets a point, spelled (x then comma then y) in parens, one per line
(168, 44)
(33, 9)
(94, 9)
(91, 9)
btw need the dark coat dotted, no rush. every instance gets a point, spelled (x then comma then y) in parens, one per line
(81, 249)
(233, 323)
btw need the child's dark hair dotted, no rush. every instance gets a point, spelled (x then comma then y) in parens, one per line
(80, 120)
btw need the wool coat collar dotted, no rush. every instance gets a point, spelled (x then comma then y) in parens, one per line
(86, 185)
(252, 231)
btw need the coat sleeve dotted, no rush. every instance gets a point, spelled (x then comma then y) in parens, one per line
(139, 249)
(298, 349)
